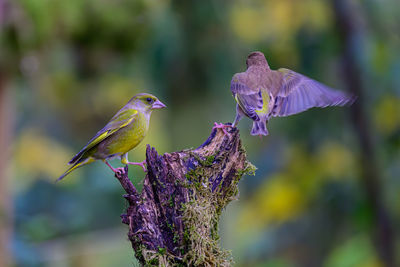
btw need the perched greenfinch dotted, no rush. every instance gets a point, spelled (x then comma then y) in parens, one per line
(262, 93)
(121, 134)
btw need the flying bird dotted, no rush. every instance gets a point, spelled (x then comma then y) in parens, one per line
(122, 133)
(262, 93)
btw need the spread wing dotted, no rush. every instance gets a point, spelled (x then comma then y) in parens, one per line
(120, 120)
(298, 93)
(248, 99)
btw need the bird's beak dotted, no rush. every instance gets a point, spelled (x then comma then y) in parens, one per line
(158, 104)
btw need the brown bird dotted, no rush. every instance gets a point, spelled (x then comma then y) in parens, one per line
(262, 93)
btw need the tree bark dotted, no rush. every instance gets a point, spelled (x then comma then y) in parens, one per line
(174, 220)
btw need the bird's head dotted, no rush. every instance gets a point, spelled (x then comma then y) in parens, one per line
(146, 102)
(256, 59)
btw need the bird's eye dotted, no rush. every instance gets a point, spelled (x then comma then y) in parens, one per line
(150, 100)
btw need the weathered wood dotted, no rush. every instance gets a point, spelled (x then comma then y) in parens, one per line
(174, 220)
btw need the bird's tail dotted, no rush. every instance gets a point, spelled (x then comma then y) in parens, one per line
(259, 128)
(80, 163)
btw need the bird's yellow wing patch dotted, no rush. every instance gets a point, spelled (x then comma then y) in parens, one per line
(99, 139)
(241, 104)
(120, 120)
(249, 104)
(265, 100)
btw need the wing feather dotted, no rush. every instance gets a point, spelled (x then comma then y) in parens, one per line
(298, 93)
(123, 118)
(248, 99)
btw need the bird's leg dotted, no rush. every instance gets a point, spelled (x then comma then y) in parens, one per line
(238, 117)
(124, 160)
(115, 170)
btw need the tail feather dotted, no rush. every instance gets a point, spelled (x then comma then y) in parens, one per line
(259, 128)
(77, 157)
(79, 163)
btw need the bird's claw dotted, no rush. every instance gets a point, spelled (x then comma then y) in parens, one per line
(222, 127)
(119, 171)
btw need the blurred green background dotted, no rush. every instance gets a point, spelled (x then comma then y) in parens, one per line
(321, 195)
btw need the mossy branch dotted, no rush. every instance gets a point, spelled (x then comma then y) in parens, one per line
(174, 220)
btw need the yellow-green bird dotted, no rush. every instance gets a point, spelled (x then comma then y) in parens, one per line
(121, 134)
(262, 93)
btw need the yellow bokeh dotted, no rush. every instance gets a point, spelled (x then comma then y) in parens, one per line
(336, 160)
(387, 115)
(278, 20)
(372, 263)
(276, 201)
(279, 200)
(36, 154)
(284, 195)
(247, 23)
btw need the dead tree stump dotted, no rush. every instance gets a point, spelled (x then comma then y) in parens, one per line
(174, 220)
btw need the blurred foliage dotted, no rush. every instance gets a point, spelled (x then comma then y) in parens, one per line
(73, 64)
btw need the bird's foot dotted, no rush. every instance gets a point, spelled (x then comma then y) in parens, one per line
(222, 127)
(117, 171)
(141, 164)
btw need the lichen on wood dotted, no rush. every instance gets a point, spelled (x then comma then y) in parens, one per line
(174, 220)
